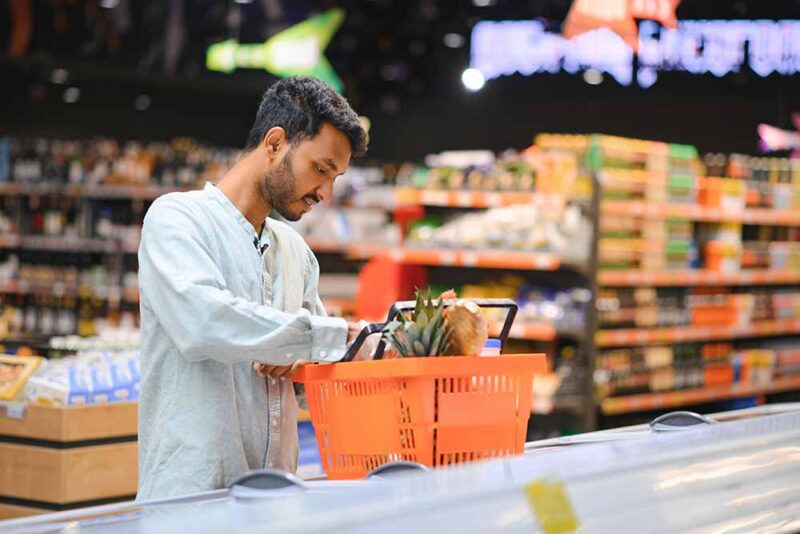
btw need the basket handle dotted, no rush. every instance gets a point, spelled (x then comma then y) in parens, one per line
(408, 305)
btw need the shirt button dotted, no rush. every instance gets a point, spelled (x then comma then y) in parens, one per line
(274, 423)
(274, 382)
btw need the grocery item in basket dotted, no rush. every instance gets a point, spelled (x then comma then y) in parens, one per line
(468, 329)
(432, 330)
(425, 333)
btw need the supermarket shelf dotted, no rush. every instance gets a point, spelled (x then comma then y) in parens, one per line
(635, 277)
(679, 334)
(463, 258)
(66, 244)
(24, 288)
(700, 213)
(339, 304)
(674, 399)
(527, 331)
(145, 192)
(10, 241)
(131, 192)
(331, 247)
(627, 246)
(58, 243)
(473, 199)
(59, 289)
(533, 332)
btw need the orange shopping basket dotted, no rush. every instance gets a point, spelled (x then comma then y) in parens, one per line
(434, 411)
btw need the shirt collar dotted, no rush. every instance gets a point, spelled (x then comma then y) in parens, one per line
(260, 234)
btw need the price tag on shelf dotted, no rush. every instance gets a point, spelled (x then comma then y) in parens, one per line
(493, 200)
(448, 258)
(551, 506)
(464, 199)
(14, 410)
(469, 259)
(437, 198)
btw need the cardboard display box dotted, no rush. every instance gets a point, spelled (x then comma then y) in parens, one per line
(61, 458)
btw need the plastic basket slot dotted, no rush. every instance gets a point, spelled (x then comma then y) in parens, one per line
(325, 439)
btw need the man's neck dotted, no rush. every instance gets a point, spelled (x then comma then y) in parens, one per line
(239, 185)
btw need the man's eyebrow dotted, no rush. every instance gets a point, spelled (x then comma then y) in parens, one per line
(329, 162)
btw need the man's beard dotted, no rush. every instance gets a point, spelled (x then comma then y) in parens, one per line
(277, 189)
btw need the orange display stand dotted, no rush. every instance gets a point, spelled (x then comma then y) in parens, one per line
(382, 282)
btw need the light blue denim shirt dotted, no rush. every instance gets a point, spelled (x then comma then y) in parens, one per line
(215, 299)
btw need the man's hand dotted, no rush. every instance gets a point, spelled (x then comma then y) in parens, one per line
(279, 371)
(353, 329)
(286, 371)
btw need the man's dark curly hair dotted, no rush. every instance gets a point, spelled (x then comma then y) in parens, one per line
(300, 106)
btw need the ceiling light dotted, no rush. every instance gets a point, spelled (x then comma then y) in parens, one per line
(72, 95)
(142, 103)
(59, 76)
(454, 40)
(593, 77)
(473, 79)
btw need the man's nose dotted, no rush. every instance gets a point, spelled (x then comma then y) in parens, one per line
(325, 192)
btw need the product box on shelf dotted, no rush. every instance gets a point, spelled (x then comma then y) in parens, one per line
(784, 255)
(723, 257)
(106, 377)
(61, 458)
(15, 371)
(723, 193)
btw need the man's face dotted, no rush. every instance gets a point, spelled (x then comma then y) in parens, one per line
(306, 173)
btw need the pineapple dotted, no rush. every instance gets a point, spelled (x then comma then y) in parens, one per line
(431, 330)
(425, 333)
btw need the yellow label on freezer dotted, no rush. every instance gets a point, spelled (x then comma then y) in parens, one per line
(552, 507)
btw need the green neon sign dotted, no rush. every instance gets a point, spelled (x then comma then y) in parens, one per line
(296, 51)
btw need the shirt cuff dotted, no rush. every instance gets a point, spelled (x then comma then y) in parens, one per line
(329, 339)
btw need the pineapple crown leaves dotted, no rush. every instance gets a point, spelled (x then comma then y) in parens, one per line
(425, 333)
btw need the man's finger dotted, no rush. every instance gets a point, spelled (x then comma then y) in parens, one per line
(261, 369)
(283, 372)
(272, 371)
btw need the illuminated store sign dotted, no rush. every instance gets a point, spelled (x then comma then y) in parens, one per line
(619, 16)
(718, 47)
(296, 51)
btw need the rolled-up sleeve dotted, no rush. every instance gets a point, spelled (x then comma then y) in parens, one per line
(185, 287)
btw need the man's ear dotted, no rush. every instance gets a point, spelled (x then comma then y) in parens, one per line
(274, 141)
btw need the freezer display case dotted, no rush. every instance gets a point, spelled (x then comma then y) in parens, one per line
(730, 472)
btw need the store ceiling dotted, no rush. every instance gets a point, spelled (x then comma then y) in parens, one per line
(401, 62)
(386, 49)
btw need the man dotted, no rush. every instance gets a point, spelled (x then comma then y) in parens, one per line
(224, 288)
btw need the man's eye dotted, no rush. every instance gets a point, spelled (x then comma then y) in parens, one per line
(320, 170)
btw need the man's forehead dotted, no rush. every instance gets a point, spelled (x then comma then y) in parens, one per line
(329, 144)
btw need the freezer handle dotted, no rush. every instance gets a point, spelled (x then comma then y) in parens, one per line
(406, 306)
